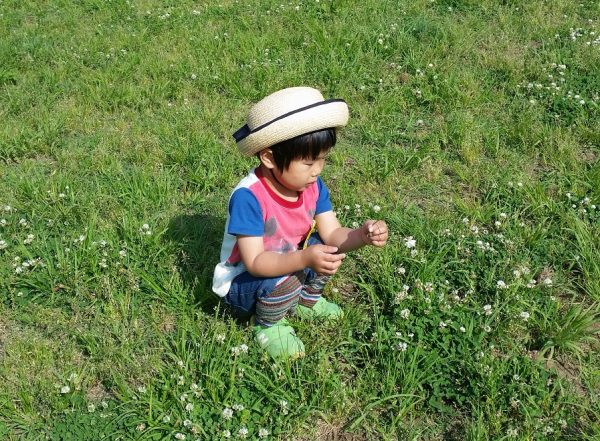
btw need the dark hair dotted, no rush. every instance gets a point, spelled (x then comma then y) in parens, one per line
(306, 146)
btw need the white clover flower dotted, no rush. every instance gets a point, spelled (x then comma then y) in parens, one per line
(402, 346)
(243, 432)
(7, 208)
(91, 408)
(140, 427)
(244, 348)
(166, 419)
(401, 295)
(179, 435)
(487, 309)
(220, 338)
(263, 433)
(29, 239)
(183, 397)
(512, 433)
(404, 313)
(462, 329)
(524, 315)
(376, 208)
(180, 380)
(487, 328)
(23, 222)
(189, 407)
(547, 281)
(498, 224)
(142, 389)
(414, 252)
(401, 270)
(443, 325)
(501, 285)
(3, 222)
(517, 274)
(65, 389)
(409, 242)
(226, 434)
(122, 253)
(238, 407)
(227, 413)
(531, 283)
(284, 405)
(3, 245)
(187, 423)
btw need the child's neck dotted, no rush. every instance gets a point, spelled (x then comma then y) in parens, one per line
(279, 189)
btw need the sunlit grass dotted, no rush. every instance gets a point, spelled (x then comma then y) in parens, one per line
(473, 132)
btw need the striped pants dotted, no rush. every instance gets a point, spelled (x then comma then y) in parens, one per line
(288, 293)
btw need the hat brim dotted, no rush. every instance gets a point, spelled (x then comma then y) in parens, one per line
(332, 114)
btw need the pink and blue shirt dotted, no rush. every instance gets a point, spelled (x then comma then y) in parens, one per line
(256, 210)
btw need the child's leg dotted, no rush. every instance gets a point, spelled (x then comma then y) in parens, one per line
(269, 299)
(311, 303)
(284, 297)
(313, 289)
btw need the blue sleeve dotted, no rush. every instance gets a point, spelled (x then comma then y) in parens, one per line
(323, 203)
(245, 214)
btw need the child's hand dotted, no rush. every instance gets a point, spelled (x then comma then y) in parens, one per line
(322, 259)
(374, 233)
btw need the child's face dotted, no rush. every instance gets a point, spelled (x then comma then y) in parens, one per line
(301, 172)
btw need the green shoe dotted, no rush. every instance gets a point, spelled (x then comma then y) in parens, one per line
(321, 309)
(279, 340)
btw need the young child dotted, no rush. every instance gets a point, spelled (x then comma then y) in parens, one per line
(273, 262)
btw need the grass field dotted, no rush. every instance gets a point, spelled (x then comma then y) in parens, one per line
(474, 132)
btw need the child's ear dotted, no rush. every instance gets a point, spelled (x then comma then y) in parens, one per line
(266, 158)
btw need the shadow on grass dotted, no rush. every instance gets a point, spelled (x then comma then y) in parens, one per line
(198, 238)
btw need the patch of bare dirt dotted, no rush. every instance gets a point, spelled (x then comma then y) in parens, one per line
(568, 370)
(587, 155)
(96, 393)
(330, 432)
(3, 333)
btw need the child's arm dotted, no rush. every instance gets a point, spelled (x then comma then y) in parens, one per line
(260, 263)
(346, 239)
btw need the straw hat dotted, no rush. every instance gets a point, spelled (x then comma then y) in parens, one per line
(286, 114)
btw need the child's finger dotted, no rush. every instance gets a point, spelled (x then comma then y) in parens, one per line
(334, 257)
(378, 232)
